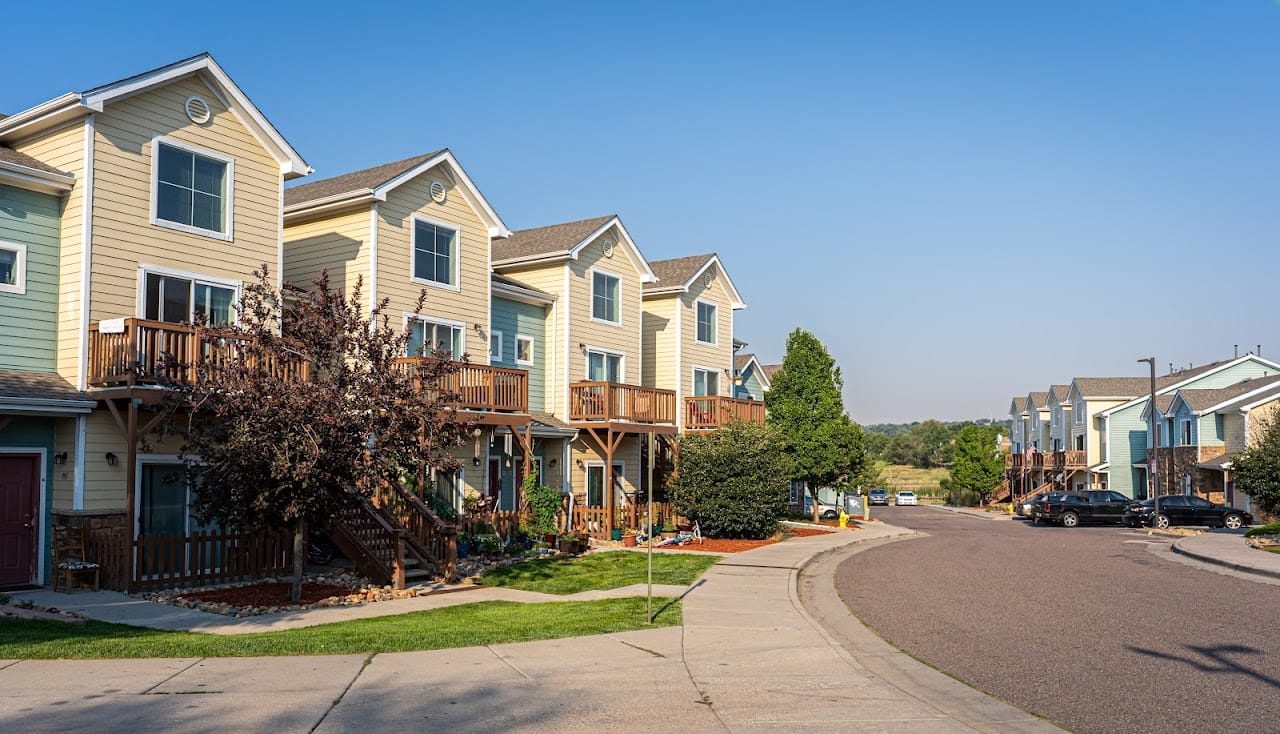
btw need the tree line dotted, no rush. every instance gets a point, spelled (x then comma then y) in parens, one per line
(924, 444)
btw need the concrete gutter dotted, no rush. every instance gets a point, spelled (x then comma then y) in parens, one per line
(1228, 549)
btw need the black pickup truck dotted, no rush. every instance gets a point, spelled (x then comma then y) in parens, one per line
(1069, 509)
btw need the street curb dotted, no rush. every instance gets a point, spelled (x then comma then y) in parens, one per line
(970, 513)
(950, 696)
(1243, 568)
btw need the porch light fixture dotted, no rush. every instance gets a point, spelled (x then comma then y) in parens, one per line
(475, 461)
(60, 458)
(552, 462)
(111, 459)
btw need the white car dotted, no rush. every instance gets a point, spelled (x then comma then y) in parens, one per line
(904, 498)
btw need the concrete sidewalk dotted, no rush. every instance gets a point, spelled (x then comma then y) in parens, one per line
(749, 658)
(1227, 548)
(973, 513)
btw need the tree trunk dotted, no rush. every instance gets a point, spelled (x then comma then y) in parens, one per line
(813, 492)
(299, 558)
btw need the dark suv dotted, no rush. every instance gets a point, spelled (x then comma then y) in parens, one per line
(1069, 509)
(1179, 510)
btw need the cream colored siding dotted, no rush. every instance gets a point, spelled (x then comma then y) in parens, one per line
(64, 149)
(1258, 414)
(694, 353)
(660, 342)
(64, 486)
(623, 338)
(123, 235)
(469, 303)
(550, 279)
(104, 485)
(586, 451)
(339, 243)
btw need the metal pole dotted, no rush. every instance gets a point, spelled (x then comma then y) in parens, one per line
(649, 531)
(1152, 462)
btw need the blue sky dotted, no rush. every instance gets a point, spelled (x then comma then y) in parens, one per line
(964, 200)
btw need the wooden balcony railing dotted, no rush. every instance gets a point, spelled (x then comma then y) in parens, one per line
(480, 386)
(1069, 459)
(613, 401)
(713, 411)
(143, 352)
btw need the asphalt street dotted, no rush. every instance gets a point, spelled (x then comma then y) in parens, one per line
(1085, 627)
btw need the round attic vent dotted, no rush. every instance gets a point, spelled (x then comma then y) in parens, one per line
(608, 248)
(198, 110)
(438, 193)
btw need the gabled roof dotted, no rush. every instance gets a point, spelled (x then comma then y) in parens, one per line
(1039, 400)
(770, 370)
(20, 169)
(40, 393)
(1059, 392)
(78, 104)
(373, 184)
(1249, 402)
(677, 275)
(565, 241)
(1112, 388)
(1209, 401)
(1185, 377)
(1017, 406)
(742, 361)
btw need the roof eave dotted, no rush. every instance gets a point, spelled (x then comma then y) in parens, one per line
(470, 192)
(33, 178)
(329, 204)
(633, 251)
(44, 115)
(46, 406)
(523, 294)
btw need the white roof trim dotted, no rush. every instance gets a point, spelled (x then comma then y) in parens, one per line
(1273, 388)
(54, 111)
(760, 374)
(33, 178)
(38, 406)
(497, 228)
(524, 295)
(735, 298)
(1184, 383)
(633, 252)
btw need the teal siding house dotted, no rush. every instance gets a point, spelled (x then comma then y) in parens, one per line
(1125, 426)
(34, 400)
(750, 382)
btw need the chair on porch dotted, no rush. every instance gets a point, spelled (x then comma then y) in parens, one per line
(69, 558)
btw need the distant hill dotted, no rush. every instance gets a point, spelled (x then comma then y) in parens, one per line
(893, 429)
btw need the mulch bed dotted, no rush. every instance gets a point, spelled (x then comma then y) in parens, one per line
(268, 594)
(726, 545)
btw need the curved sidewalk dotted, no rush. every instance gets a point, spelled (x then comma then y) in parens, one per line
(1227, 548)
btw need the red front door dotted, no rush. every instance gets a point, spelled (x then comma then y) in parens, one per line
(19, 483)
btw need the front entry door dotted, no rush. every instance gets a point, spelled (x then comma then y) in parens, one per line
(19, 487)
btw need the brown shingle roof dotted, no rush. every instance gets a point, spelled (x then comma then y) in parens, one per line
(9, 155)
(1272, 393)
(549, 420)
(1204, 399)
(38, 386)
(677, 271)
(1114, 387)
(496, 278)
(1019, 404)
(354, 182)
(770, 370)
(1040, 399)
(550, 240)
(740, 361)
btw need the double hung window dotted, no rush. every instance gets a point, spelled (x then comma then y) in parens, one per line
(706, 322)
(192, 190)
(431, 338)
(605, 294)
(435, 253)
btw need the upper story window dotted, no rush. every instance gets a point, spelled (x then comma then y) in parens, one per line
(706, 322)
(604, 366)
(435, 253)
(705, 382)
(192, 190)
(1077, 414)
(426, 338)
(524, 349)
(176, 299)
(1186, 433)
(495, 346)
(13, 268)
(605, 297)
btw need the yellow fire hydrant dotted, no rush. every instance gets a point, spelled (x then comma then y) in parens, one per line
(844, 518)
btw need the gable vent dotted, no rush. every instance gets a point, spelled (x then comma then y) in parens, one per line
(198, 110)
(707, 280)
(438, 193)
(608, 248)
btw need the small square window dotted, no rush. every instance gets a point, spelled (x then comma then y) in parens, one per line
(524, 349)
(13, 268)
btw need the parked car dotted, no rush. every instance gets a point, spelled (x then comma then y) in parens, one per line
(825, 511)
(878, 497)
(904, 498)
(1024, 507)
(1179, 510)
(1070, 509)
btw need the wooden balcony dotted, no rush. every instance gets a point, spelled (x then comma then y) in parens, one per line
(496, 392)
(707, 413)
(1069, 459)
(133, 352)
(613, 402)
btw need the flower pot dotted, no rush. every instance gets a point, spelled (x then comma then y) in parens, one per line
(629, 541)
(615, 534)
(568, 546)
(549, 539)
(464, 549)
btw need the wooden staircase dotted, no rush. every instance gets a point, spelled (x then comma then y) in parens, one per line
(1001, 493)
(394, 540)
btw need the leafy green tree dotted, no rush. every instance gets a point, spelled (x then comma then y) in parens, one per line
(935, 443)
(1256, 470)
(544, 505)
(978, 464)
(733, 482)
(806, 407)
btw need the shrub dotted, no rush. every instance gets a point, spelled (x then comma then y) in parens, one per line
(544, 505)
(1268, 529)
(733, 482)
(958, 496)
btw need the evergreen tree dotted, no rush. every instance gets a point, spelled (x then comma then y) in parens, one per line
(1257, 469)
(805, 405)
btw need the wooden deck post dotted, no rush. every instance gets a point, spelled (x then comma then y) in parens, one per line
(609, 498)
(131, 483)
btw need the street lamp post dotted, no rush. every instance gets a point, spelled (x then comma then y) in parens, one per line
(1152, 462)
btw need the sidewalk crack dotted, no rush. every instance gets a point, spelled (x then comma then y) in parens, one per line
(508, 663)
(194, 663)
(343, 695)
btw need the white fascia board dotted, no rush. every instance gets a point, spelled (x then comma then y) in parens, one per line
(633, 252)
(329, 204)
(46, 406)
(1193, 378)
(523, 295)
(42, 116)
(470, 192)
(291, 163)
(735, 298)
(1268, 392)
(532, 260)
(33, 178)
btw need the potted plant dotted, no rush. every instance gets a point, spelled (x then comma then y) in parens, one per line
(629, 539)
(464, 545)
(568, 544)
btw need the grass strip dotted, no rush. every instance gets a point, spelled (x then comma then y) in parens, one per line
(598, 571)
(482, 623)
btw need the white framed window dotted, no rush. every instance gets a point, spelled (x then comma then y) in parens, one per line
(1186, 433)
(524, 349)
(706, 323)
(605, 366)
(191, 189)
(705, 381)
(1077, 414)
(606, 297)
(13, 268)
(428, 337)
(435, 253)
(495, 346)
(595, 483)
(175, 297)
(794, 491)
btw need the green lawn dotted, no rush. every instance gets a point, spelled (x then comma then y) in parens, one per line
(483, 623)
(598, 571)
